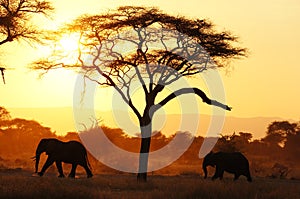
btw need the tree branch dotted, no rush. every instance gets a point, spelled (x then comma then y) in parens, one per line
(15, 16)
(128, 101)
(198, 92)
(140, 52)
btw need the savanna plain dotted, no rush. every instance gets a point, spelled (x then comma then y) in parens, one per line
(274, 168)
(22, 184)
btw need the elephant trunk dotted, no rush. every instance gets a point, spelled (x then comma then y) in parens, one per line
(37, 160)
(204, 169)
(39, 150)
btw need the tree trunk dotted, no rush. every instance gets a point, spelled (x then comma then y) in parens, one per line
(146, 130)
(143, 161)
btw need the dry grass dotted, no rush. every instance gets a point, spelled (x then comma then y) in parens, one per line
(20, 184)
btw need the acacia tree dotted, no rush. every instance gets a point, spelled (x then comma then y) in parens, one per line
(153, 48)
(4, 114)
(15, 16)
(278, 131)
(14, 21)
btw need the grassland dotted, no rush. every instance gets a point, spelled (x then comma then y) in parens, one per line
(21, 184)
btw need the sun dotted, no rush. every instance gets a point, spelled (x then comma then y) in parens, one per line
(68, 48)
(69, 42)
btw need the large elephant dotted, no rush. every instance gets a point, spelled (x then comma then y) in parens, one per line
(235, 163)
(71, 152)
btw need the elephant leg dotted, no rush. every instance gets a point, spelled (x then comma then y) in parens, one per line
(60, 170)
(87, 170)
(73, 171)
(217, 172)
(215, 176)
(47, 164)
(236, 176)
(248, 176)
(221, 174)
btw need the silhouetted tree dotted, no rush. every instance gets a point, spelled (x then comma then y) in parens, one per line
(227, 143)
(101, 38)
(291, 147)
(245, 137)
(15, 23)
(283, 128)
(234, 143)
(278, 131)
(159, 140)
(4, 119)
(4, 114)
(257, 147)
(20, 136)
(242, 141)
(15, 16)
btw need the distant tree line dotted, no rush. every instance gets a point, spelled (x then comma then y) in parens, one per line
(274, 155)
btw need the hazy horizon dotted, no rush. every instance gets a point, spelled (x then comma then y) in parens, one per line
(255, 125)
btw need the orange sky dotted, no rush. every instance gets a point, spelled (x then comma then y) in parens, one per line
(264, 84)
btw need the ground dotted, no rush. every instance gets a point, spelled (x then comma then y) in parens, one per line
(22, 184)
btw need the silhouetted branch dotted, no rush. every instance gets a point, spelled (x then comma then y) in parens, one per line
(14, 19)
(196, 91)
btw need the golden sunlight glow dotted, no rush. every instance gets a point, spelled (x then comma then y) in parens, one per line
(67, 46)
(265, 84)
(69, 42)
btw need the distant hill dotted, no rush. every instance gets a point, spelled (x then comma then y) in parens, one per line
(61, 121)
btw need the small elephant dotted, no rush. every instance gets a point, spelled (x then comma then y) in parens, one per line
(235, 163)
(71, 152)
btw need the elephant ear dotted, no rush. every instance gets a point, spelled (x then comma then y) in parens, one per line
(51, 147)
(210, 154)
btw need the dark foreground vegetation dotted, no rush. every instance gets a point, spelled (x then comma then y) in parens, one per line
(21, 184)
